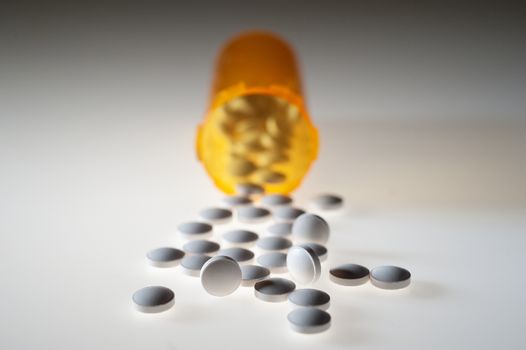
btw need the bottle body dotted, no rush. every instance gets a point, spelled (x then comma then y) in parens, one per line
(257, 128)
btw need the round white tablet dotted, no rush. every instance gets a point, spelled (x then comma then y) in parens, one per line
(311, 228)
(274, 243)
(153, 299)
(349, 275)
(273, 200)
(201, 246)
(251, 214)
(220, 276)
(280, 229)
(274, 289)
(195, 230)
(236, 200)
(327, 202)
(287, 214)
(192, 264)
(251, 274)
(241, 255)
(165, 257)
(216, 215)
(320, 250)
(276, 262)
(249, 189)
(242, 238)
(390, 277)
(303, 264)
(310, 298)
(309, 320)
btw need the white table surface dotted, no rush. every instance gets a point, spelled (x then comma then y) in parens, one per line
(82, 202)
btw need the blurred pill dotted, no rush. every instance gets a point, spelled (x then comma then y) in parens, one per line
(276, 262)
(201, 247)
(153, 299)
(195, 230)
(274, 289)
(165, 257)
(251, 274)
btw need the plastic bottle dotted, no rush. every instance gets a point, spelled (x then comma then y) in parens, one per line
(257, 128)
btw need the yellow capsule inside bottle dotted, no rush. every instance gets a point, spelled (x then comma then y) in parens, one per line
(257, 129)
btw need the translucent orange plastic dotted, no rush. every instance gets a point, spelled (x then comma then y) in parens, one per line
(256, 64)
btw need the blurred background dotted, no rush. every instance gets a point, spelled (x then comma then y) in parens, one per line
(421, 108)
(443, 61)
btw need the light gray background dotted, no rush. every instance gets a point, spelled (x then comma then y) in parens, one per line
(421, 114)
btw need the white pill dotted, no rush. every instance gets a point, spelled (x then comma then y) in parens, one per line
(274, 289)
(390, 277)
(274, 200)
(201, 247)
(195, 230)
(241, 238)
(165, 257)
(192, 264)
(349, 275)
(241, 255)
(311, 228)
(276, 262)
(327, 202)
(320, 250)
(287, 214)
(274, 243)
(309, 320)
(251, 215)
(236, 200)
(251, 274)
(153, 299)
(303, 264)
(310, 298)
(220, 276)
(280, 229)
(249, 189)
(216, 215)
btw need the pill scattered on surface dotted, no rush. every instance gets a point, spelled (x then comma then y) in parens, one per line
(195, 230)
(390, 277)
(220, 276)
(276, 262)
(216, 215)
(287, 214)
(320, 250)
(250, 214)
(192, 264)
(153, 299)
(165, 257)
(309, 320)
(273, 200)
(274, 243)
(274, 289)
(242, 238)
(349, 275)
(251, 274)
(327, 202)
(236, 200)
(280, 229)
(241, 255)
(201, 246)
(310, 228)
(303, 265)
(249, 189)
(310, 298)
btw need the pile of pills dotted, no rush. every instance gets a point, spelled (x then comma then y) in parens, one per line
(293, 241)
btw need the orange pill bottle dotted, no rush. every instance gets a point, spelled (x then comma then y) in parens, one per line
(257, 128)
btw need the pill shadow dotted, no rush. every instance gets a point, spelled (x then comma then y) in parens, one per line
(426, 289)
(347, 326)
(362, 255)
(189, 313)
